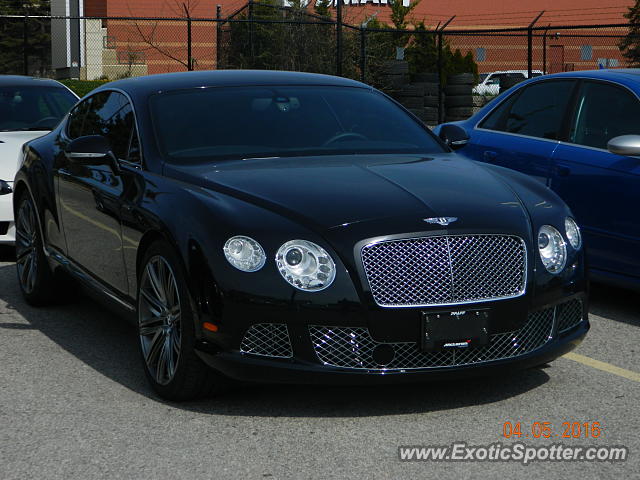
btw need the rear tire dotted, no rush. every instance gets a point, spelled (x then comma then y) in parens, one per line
(34, 274)
(166, 329)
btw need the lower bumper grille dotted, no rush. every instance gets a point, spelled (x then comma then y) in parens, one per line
(353, 347)
(267, 340)
(568, 315)
(4, 228)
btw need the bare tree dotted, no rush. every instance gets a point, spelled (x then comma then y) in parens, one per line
(150, 34)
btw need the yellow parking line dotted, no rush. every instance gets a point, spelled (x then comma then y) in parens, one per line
(605, 367)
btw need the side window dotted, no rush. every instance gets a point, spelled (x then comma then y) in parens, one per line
(111, 115)
(76, 119)
(604, 111)
(536, 111)
(495, 120)
(493, 80)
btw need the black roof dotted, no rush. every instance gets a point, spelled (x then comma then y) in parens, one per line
(19, 81)
(213, 78)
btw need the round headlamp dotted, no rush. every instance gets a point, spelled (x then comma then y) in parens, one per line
(244, 253)
(552, 249)
(305, 265)
(573, 233)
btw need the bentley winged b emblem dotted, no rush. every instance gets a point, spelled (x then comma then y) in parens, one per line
(441, 220)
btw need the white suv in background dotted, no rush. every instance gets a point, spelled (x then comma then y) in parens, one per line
(490, 82)
(29, 108)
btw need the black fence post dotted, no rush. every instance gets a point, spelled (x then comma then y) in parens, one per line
(25, 43)
(440, 86)
(363, 54)
(530, 44)
(189, 57)
(339, 38)
(218, 35)
(440, 33)
(544, 51)
(251, 40)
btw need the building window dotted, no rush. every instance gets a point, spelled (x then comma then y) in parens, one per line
(481, 54)
(586, 52)
(608, 63)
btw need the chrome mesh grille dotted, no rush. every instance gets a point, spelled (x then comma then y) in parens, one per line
(569, 315)
(350, 347)
(267, 340)
(443, 270)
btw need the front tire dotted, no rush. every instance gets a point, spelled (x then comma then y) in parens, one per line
(166, 329)
(34, 274)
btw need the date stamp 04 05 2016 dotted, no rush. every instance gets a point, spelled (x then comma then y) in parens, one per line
(520, 430)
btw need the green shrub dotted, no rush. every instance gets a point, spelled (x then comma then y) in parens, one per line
(82, 87)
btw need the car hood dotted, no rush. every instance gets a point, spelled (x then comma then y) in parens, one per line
(10, 145)
(369, 193)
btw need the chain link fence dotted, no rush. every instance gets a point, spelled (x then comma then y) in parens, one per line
(424, 68)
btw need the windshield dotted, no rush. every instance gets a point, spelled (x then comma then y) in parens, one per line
(33, 107)
(256, 122)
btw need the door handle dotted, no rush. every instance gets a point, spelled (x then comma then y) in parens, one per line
(562, 171)
(489, 156)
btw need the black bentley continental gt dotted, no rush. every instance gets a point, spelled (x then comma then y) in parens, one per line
(287, 227)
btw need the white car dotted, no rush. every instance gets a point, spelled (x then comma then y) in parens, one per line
(490, 82)
(29, 108)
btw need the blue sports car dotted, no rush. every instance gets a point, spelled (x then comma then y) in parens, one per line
(579, 134)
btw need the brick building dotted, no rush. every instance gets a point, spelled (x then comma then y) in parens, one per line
(111, 45)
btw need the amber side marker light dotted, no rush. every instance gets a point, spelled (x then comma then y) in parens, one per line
(210, 326)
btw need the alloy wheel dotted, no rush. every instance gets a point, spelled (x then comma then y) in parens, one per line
(159, 317)
(26, 246)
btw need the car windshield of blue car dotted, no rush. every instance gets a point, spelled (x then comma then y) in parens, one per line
(25, 108)
(211, 124)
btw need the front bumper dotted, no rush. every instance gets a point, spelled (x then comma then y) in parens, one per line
(7, 225)
(310, 358)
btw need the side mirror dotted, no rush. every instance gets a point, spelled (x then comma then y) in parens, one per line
(628, 145)
(91, 150)
(454, 136)
(5, 188)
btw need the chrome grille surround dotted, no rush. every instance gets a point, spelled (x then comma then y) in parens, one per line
(267, 340)
(352, 347)
(569, 315)
(445, 270)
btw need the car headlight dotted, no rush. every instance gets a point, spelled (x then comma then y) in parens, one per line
(573, 233)
(305, 265)
(244, 253)
(552, 248)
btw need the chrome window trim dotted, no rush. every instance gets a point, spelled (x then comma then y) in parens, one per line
(519, 135)
(520, 293)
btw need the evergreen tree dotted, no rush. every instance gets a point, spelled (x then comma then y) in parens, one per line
(38, 37)
(630, 45)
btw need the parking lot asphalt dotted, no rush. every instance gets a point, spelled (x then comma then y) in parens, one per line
(74, 403)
